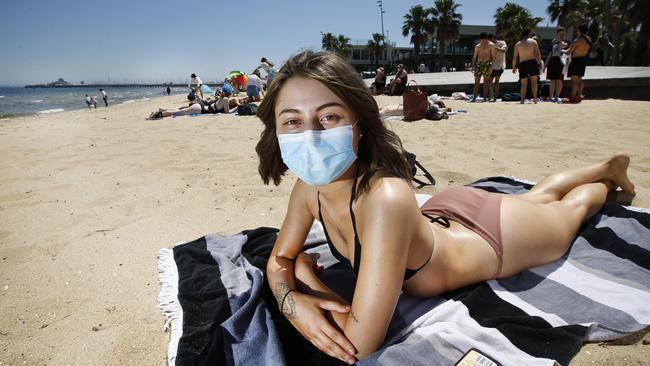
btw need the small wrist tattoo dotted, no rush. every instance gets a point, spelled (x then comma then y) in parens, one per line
(354, 317)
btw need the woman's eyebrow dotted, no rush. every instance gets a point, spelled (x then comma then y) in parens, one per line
(330, 104)
(323, 106)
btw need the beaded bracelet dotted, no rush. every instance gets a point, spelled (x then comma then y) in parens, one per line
(284, 298)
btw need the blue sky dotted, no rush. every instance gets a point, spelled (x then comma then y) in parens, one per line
(155, 41)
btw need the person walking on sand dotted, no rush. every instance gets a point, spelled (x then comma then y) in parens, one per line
(554, 65)
(484, 54)
(195, 84)
(579, 52)
(168, 90)
(529, 58)
(498, 65)
(104, 96)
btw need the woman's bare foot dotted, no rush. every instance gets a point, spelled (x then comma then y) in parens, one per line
(617, 165)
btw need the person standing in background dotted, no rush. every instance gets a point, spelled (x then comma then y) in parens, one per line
(104, 96)
(482, 61)
(579, 51)
(554, 65)
(604, 45)
(527, 59)
(169, 90)
(498, 65)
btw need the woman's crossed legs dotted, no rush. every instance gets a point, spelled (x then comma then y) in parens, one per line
(539, 226)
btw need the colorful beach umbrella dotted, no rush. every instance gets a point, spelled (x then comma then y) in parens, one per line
(240, 77)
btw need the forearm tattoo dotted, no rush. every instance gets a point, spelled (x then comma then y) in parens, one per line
(285, 300)
(354, 317)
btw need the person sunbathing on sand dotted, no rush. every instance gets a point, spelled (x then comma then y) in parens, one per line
(224, 104)
(321, 122)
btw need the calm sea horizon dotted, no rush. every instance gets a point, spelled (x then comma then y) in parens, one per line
(21, 101)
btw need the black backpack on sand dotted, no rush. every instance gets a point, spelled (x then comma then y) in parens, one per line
(248, 109)
(410, 157)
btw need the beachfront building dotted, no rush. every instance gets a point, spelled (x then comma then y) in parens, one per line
(362, 60)
(457, 54)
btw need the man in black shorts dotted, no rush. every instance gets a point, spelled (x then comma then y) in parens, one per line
(579, 52)
(529, 57)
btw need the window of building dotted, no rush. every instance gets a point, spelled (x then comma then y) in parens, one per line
(356, 54)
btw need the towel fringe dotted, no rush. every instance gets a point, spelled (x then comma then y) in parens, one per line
(168, 300)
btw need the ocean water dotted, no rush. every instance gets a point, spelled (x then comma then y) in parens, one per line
(19, 101)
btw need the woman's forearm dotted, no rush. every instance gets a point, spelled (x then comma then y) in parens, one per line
(309, 283)
(280, 273)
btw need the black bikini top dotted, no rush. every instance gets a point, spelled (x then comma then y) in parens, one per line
(408, 273)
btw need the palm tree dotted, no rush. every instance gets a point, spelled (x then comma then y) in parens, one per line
(344, 47)
(446, 22)
(561, 10)
(329, 42)
(418, 24)
(339, 44)
(510, 20)
(572, 13)
(376, 47)
(640, 17)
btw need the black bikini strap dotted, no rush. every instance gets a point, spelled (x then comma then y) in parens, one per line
(357, 243)
(442, 221)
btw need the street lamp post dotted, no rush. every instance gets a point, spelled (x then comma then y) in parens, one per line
(380, 3)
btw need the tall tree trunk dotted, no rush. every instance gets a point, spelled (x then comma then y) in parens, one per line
(642, 45)
(623, 6)
(441, 53)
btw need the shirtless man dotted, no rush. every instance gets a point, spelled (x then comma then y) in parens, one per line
(482, 59)
(529, 57)
(579, 51)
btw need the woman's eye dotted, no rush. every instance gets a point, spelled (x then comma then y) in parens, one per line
(329, 118)
(291, 122)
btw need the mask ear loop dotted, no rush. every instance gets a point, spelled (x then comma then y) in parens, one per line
(360, 131)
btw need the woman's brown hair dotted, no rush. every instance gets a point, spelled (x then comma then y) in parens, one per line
(379, 148)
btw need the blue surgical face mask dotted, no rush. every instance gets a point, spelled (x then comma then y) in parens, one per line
(318, 157)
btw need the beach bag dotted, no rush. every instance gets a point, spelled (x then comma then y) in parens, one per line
(249, 109)
(411, 158)
(415, 103)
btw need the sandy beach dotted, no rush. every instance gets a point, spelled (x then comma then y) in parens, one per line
(88, 198)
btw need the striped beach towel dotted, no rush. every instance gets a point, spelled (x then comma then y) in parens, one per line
(220, 309)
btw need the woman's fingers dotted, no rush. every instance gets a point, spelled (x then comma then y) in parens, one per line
(339, 339)
(333, 306)
(327, 345)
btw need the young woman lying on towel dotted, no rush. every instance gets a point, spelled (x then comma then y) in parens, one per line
(321, 123)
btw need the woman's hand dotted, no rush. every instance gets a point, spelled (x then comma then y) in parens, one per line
(309, 260)
(307, 314)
